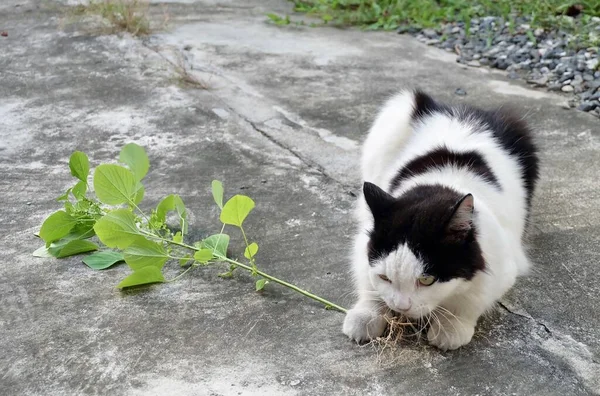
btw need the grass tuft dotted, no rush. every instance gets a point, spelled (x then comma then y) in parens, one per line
(129, 16)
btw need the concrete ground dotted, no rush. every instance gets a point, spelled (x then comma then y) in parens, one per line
(282, 122)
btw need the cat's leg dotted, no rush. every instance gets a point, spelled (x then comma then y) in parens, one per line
(450, 331)
(452, 324)
(365, 321)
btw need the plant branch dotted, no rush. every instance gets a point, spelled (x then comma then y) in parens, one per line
(259, 272)
(286, 284)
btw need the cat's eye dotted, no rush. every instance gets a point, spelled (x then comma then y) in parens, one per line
(427, 280)
(385, 278)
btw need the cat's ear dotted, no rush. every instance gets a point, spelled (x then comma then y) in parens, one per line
(461, 222)
(378, 200)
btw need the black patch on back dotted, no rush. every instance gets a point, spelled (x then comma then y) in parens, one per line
(442, 157)
(516, 138)
(420, 218)
(509, 130)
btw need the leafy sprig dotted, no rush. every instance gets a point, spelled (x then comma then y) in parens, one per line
(110, 221)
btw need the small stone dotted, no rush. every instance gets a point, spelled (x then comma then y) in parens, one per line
(432, 41)
(430, 33)
(588, 77)
(545, 70)
(554, 87)
(474, 63)
(538, 32)
(455, 30)
(187, 48)
(460, 92)
(597, 74)
(592, 64)
(565, 105)
(295, 383)
(539, 82)
(587, 106)
(567, 88)
(567, 82)
(28, 202)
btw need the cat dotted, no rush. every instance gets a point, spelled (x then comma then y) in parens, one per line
(446, 198)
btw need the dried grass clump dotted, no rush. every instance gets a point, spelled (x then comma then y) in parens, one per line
(113, 16)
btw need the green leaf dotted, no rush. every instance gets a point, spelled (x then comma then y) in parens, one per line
(114, 184)
(143, 276)
(76, 247)
(203, 256)
(135, 158)
(65, 196)
(178, 237)
(139, 193)
(79, 232)
(186, 259)
(118, 229)
(261, 283)
(103, 260)
(80, 165)
(217, 243)
(170, 203)
(236, 210)
(144, 253)
(42, 252)
(251, 250)
(79, 190)
(217, 192)
(56, 226)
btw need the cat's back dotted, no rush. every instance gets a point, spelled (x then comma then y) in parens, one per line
(418, 140)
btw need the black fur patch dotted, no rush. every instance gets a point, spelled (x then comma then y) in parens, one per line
(442, 157)
(420, 218)
(515, 137)
(509, 130)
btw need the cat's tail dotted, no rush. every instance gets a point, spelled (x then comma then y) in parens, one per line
(387, 137)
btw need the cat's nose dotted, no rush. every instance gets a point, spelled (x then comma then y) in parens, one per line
(403, 303)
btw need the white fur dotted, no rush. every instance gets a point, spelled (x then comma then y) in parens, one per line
(499, 217)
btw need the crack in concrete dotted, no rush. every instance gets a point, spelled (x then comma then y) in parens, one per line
(307, 162)
(543, 325)
(311, 164)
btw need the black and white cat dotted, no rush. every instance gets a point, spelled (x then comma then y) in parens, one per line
(445, 202)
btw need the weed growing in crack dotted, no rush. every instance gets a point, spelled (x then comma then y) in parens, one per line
(111, 215)
(184, 75)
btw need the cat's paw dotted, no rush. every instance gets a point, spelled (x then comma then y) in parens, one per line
(362, 325)
(449, 334)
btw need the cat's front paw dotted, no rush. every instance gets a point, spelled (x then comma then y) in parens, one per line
(362, 325)
(449, 334)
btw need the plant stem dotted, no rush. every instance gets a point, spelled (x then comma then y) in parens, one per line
(284, 283)
(259, 272)
(251, 259)
(180, 275)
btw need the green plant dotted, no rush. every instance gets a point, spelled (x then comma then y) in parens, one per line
(391, 14)
(121, 15)
(278, 20)
(145, 242)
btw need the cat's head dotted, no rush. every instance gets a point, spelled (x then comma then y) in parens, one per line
(423, 246)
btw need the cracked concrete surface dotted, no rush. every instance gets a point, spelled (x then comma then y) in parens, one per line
(282, 122)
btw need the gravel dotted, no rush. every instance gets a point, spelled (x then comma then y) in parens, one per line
(544, 58)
